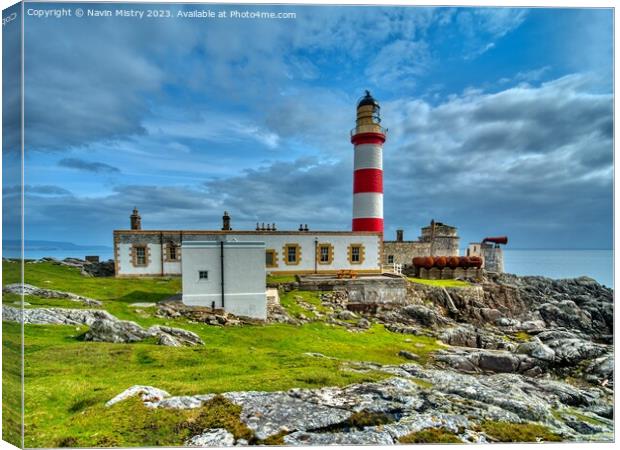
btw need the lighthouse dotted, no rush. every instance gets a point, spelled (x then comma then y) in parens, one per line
(367, 138)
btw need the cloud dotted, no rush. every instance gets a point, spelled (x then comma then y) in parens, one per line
(532, 161)
(86, 166)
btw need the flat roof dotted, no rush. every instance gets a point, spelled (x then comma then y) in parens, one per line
(222, 232)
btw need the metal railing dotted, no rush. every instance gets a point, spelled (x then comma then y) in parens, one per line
(368, 129)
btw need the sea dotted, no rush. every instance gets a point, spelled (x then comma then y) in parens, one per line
(597, 264)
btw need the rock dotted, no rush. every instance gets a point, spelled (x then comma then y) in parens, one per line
(498, 362)
(55, 316)
(175, 337)
(408, 355)
(601, 369)
(364, 437)
(424, 315)
(214, 437)
(363, 323)
(538, 350)
(29, 289)
(345, 314)
(148, 394)
(120, 331)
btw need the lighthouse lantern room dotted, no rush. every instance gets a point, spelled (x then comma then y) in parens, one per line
(367, 138)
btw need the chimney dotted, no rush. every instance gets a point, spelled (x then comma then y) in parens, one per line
(301, 227)
(306, 227)
(273, 227)
(226, 222)
(135, 220)
(257, 227)
(399, 235)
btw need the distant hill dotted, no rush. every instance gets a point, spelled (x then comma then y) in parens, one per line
(34, 245)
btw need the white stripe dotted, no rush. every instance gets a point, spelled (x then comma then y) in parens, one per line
(368, 205)
(368, 156)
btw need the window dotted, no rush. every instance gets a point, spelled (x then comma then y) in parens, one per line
(292, 254)
(390, 259)
(172, 252)
(140, 255)
(271, 258)
(203, 274)
(356, 254)
(325, 253)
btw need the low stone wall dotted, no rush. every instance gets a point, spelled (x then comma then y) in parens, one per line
(447, 273)
(369, 290)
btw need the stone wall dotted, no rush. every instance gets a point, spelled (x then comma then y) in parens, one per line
(404, 251)
(493, 258)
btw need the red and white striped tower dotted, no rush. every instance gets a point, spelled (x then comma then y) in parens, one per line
(367, 138)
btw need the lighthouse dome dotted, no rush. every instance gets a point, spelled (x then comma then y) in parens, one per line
(368, 100)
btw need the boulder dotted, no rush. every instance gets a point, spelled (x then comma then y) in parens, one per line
(408, 355)
(214, 437)
(120, 331)
(28, 289)
(148, 394)
(175, 337)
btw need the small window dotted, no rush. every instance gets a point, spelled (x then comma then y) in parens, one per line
(141, 256)
(172, 252)
(271, 258)
(355, 254)
(291, 254)
(390, 259)
(324, 254)
(203, 274)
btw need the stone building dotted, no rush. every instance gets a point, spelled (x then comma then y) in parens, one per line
(490, 252)
(139, 252)
(437, 239)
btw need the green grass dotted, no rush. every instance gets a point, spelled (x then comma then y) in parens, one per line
(11, 384)
(440, 283)
(519, 432)
(430, 436)
(68, 380)
(278, 279)
(289, 300)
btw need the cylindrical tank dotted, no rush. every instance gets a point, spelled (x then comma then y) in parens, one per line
(418, 261)
(453, 262)
(441, 261)
(429, 261)
(497, 240)
(464, 262)
(475, 261)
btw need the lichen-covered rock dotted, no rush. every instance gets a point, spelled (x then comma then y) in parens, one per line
(54, 316)
(28, 289)
(148, 394)
(214, 437)
(120, 331)
(175, 337)
(354, 437)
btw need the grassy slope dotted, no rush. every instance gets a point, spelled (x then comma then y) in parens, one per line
(440, 283)
(11, 377)
(68, 380)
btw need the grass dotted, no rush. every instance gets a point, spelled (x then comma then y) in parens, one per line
(67, 380)
(440, 283)
(290, 302)
(431, 436)
(519, 432)
(561, 414)
(280, 279)
(522, 336)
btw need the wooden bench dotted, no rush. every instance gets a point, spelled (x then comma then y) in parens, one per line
(346, 274)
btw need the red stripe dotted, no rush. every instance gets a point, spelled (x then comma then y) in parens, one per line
(368, 180)
(368, 138)
(371, 224)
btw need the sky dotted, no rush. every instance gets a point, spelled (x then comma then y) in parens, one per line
(500, 121)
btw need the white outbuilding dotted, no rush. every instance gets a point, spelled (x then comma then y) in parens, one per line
(225, 274)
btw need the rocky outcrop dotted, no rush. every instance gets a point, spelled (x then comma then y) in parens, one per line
(28, 289)
(123, 331)
(413, 399)
(55, 316)
(215, 437)
(104, 327)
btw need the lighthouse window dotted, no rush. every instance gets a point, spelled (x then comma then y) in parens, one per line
(203, 274)
(324, 254)
(355, 254)
(173, 252)
(390, 259)
(292, 254)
